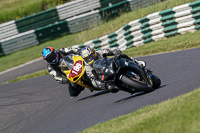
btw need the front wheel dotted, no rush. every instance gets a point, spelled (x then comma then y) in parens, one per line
(156, 81)
(136, 84)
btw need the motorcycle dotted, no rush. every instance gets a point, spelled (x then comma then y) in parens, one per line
(74, 68)
(121, 73)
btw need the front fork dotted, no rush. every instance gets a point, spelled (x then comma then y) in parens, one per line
(149, 72)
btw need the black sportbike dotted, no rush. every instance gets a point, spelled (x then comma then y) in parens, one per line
(125, 74)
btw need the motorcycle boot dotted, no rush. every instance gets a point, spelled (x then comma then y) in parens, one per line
(106, 86)
(110, 87)
(75, 90)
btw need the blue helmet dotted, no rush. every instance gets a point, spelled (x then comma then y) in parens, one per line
(88, 55)
(50, 55)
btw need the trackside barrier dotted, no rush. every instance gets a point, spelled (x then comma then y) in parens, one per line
(1, 50)
(114, 10)
(64, 19)
(83, 22)
(52, 31)
(84, 14)
(37, 20)
(106, 3)
(8, 29)
(51, 16)
(76, 8)
(18, 42)
(154, 27)
(135, 4)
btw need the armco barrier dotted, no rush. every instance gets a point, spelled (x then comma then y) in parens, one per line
(75, 8)
(8, 29)
(1, 50)
(156, 26)
(79, 23)
(114, 10)
(106, 3)
(37, 20)
(19, 42)
(52, 31)
(89, 19)
(134, 4)
(51, 16)
(84, 21)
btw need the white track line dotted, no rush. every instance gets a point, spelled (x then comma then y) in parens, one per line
(20, 66)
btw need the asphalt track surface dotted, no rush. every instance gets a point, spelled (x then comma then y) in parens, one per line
(30, 67)
(41, 105)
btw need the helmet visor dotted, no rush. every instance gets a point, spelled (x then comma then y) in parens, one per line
(90, 59)
(52, 58)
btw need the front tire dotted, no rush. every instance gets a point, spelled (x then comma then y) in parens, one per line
(137, 85)
(156, 81)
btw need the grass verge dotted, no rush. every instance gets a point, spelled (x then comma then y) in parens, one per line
(29, 76)
(178, 115)
(176, 43)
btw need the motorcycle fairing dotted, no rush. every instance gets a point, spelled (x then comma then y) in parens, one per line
(78, 69)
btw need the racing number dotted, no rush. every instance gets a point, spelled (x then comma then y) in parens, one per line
(76, 68)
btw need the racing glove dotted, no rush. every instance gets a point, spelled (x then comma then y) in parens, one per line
(117, 51)
(95, 74)
(65, 80)
(121, 56)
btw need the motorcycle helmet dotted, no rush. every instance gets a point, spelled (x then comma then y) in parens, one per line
(88, 55)
(50, 55)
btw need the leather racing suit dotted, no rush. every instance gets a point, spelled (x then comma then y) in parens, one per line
(59, 76)
(103, 53)
(89, 70)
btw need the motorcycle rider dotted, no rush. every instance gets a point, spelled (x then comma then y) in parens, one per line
(53, 57)
(90, 55)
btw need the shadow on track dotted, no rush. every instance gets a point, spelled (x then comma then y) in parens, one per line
(132, 96)
(136, 94)
(94, 95)
(105, 92)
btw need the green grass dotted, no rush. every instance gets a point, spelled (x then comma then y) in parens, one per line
(176, 43)
(32, 53)
(29, 76)
(178, 115)
(16, 9)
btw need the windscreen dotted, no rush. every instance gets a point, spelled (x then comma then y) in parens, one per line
(66, 62)
(103, 66)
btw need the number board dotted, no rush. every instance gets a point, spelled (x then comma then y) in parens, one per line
(76, 69)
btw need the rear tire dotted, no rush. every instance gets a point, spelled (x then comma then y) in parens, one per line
(137, 85)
